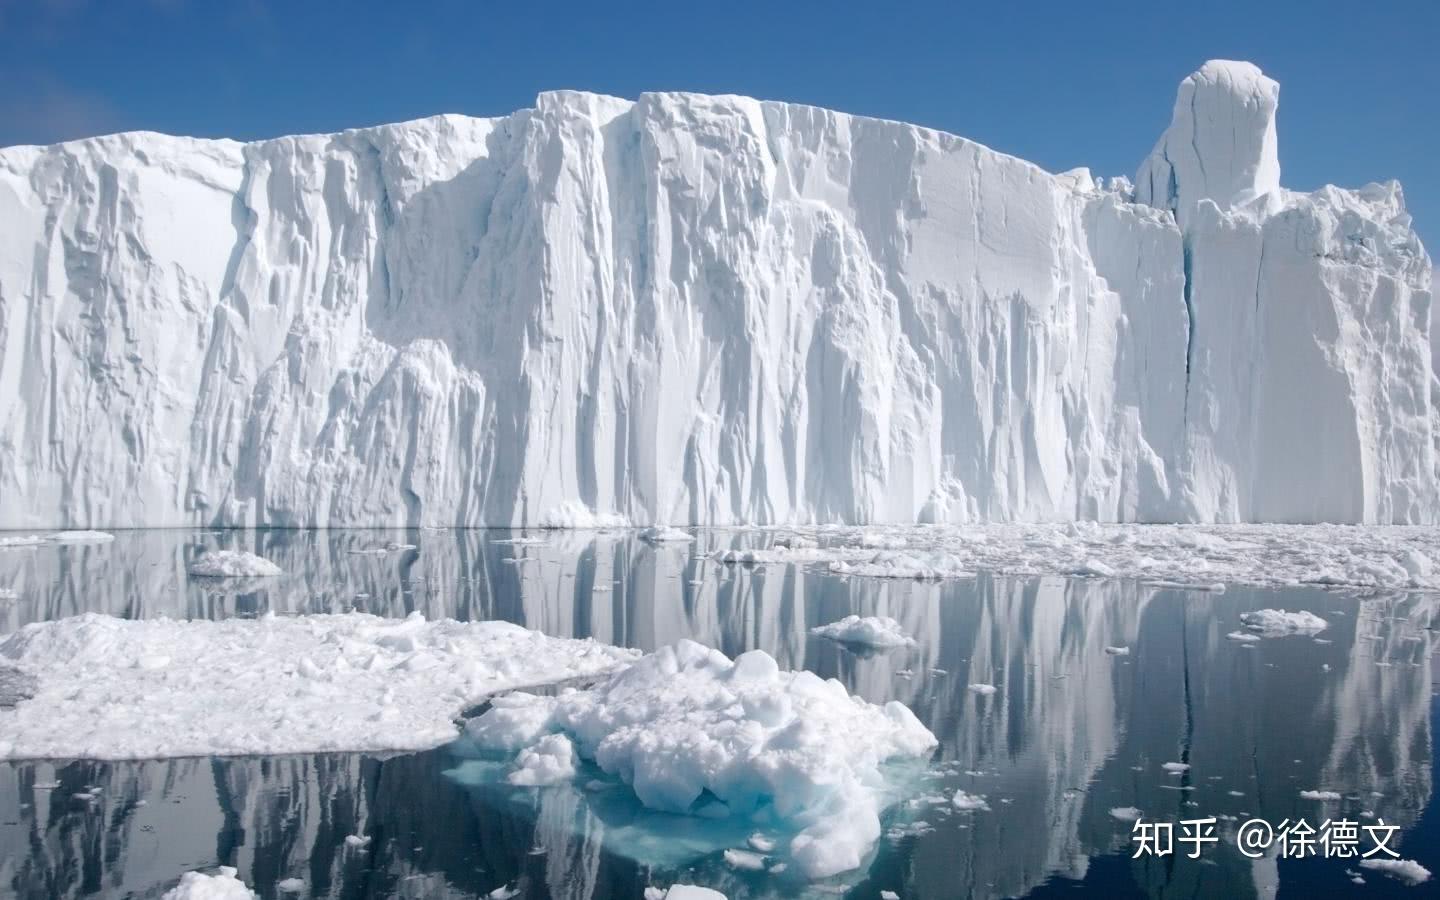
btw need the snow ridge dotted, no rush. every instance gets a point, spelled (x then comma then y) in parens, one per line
(705, 310)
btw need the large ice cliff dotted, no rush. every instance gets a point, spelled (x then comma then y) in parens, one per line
(694, 309)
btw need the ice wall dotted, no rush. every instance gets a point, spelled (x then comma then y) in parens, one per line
(693, 309)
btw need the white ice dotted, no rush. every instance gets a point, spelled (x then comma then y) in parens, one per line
(1268, 623)
(55, 537)
(232, 564)
(1319, 795)
(868, 631)
(687, 723)
(663, 535)
(118, 689)
(223, 885)
(1182, 557)
(1406, 870)
(808, 316)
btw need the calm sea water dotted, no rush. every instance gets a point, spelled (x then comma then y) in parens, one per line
(1072, 733)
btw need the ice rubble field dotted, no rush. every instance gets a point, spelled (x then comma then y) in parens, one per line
(707, 310)
(692, 731)
(118, 689)
(1192, 556)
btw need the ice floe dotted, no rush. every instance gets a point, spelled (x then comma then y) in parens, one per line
(110, 688)
(55, 537)
(1280, 623)
(233, 564)
(692, 731)
(223, 885)
(662, 535)
(1319, 795)
(867, 631)
(1406, 870)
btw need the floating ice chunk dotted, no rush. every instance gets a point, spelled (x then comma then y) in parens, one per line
(1279, 623)
(1118, 651)
(504, 892)
(233, 564)
(81, 537)
(55, 537)
(902, 564)
(223, 885)
(869, 631)
(302, 684)
(6, 595)
(982, 689)
(357, 840)
(745, 860)
(969, 802)
(1125, 813)
(1175, 768)
(290, 885)
(1319, 795)
(550, 760)
(1243, 637)
(665, 535)
(686, 722)
(382, 549)
(692, 892)
(761, 842)
(889, 895)
(1406, 870)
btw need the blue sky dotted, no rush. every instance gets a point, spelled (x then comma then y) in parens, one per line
(1062, 84)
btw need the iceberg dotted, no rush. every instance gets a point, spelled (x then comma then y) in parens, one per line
(108, 688)
(693, 732)
(706, 310)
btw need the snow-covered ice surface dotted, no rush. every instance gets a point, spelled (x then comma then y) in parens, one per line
(808, 317)
(692, 731)
(222, 885)
(867, 631)
(1192, 557)
(110, 688)
(233, 564)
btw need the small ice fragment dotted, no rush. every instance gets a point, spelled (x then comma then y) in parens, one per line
(869, 631)
(1125, 813)
(1319, 795)
(1406, 870)
(983, 689)
(233, 564)
(969, 802)
(1279, 623)
(1118, 651)
(1175, 768)
(290, 885)
(357, 840)
(889, 895)
(692, 892)
(223, 885)
(761, 842)
(745, 860)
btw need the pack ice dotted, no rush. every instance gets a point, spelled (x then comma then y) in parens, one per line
(709, 310)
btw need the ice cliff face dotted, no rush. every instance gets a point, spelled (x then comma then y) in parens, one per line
(693, 309)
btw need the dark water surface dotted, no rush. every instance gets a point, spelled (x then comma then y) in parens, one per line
(1072, 733)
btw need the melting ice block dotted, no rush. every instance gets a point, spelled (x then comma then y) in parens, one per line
(692, 731)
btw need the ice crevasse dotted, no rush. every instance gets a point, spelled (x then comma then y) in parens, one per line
(706, 310)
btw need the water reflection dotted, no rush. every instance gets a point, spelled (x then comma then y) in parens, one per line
(1072, 732)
